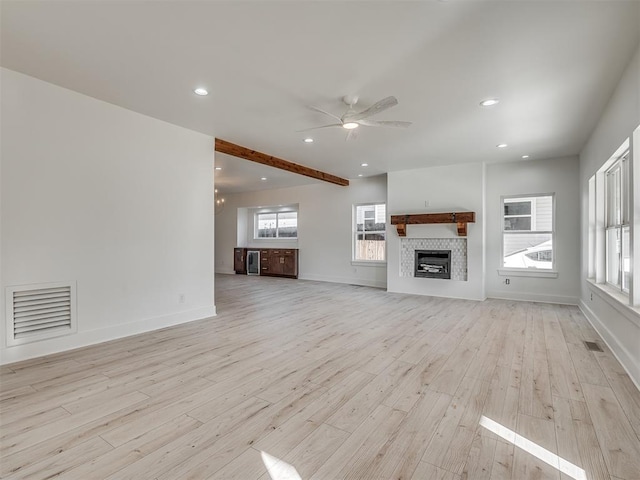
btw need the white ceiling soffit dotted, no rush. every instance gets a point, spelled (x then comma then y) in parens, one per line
(553, 65)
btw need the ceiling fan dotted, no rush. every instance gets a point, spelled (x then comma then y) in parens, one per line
(351, 119)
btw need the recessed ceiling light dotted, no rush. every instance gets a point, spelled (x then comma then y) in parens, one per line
(364, 164)
(350, 125)
(308, 140)
(201, 91)
(359, 174)
(502, 145)
(525, 156)
(218, 168)
(489, 102)
(263, 178)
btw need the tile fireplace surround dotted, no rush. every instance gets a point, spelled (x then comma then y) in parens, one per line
(458, 247)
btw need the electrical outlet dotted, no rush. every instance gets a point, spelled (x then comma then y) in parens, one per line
(591, 296)
(427, 203)
(181, 298)
(507, 281)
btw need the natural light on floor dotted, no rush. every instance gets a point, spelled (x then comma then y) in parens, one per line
(279, 469)
(534, 449)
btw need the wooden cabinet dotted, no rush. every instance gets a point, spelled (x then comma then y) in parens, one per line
(275, 262)
(289, 263)
(279, 262)
(240, 260)
(264, 261)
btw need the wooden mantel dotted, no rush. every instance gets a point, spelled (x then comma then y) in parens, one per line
(459, 218)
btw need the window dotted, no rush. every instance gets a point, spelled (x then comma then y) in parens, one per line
(277, 225)
(528, 231)
(611, 219)
(617, 256)
(369, 232)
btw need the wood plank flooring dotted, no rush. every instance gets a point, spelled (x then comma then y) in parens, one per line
(336, 382)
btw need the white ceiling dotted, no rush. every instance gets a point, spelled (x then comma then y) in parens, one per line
(553, 64)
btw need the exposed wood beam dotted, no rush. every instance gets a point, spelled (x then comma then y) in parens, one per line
(229, 148)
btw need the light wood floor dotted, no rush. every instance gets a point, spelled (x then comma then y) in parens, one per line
(336, 381)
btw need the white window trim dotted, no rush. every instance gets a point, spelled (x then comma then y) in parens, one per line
(368, 263)
(624, 214)
(272, 239)
(532, 215)
(622, 301)
(526, 272)
(530, 272)
(354, 219)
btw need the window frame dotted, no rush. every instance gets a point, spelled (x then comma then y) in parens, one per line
(354, 234)
(529, 272)
(531, 215)
(622, 222)
(278, 238)
(626, 303)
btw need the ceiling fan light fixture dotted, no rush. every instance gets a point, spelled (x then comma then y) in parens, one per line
(489, 102)
(350, 125)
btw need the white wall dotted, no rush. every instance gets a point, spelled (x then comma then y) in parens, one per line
(445, 189)
(118, 202)
(617, 324)
(324, 228)
(559, 176)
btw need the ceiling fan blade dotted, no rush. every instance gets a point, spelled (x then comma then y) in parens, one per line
(319, 110)
(374, 109)
(316, 128)
(352, 134)
(384, 123)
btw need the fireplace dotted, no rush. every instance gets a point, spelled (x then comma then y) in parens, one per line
(433, 264)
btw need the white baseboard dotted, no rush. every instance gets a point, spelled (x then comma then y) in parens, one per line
(348, 280)
(533, 297)
(620, 352)
(83, 339)
(226, 272)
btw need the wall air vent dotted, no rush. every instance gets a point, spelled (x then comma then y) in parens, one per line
(38, 312)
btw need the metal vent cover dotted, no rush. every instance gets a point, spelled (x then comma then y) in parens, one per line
(593, 346)
(37, 312)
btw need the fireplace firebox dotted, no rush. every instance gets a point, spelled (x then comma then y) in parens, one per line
(433, 264)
